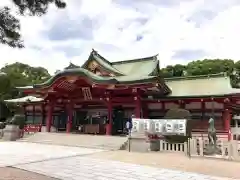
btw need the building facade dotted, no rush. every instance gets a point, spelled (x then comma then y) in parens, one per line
(100, 96)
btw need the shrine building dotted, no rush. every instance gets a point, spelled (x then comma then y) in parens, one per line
(101, 95)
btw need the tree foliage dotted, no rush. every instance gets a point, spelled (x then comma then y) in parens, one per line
(18, 74)
(10, 24)
(205, 67)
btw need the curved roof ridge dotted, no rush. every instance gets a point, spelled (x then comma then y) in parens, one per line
(196, 77)
(95, 78)
(148, 58)
(72, 66)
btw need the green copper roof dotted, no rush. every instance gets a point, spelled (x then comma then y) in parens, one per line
(95, 78)
(102, 61)
(144, 70)
(214, 85)
(138, 67)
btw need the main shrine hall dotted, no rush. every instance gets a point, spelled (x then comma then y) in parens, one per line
(101, 95)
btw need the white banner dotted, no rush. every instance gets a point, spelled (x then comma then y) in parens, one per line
(160, 126)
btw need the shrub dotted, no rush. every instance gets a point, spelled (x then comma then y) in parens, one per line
(178, 114)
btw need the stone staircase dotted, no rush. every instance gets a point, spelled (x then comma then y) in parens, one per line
(78, 140)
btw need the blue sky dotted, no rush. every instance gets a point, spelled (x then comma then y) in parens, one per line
(179, 30)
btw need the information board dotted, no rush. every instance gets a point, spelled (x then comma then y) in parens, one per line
(160, 126)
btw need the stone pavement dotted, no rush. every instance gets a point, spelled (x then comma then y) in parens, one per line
(85, 168)
(175, 161)
(77, 140)
(72, 163)
(13, 153)
(9, 173)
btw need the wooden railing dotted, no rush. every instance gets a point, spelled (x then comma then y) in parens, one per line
(170, 147)
(230, 150)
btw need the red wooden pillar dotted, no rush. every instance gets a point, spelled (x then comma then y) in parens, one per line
(227, 119)
(110, 121)
(49, 116)
(42, 112)
(70, 117)
(43, 116)
(203, 109)
(181, 104)
(34, 113)
(138, 104)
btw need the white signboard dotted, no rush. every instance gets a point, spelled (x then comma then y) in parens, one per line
(160, 126)
(142, 125)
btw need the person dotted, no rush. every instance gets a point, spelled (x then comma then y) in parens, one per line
(129, 125)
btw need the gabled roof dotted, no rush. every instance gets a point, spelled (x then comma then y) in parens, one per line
(72, 66)
(136, 71)
(140, 67)
(200, 86)
(102, 61)
(118, 80)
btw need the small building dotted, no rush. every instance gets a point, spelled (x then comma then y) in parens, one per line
(101, 95)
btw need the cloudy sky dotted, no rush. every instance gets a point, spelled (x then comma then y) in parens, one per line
(179, 30)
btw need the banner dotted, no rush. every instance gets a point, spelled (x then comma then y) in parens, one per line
(160, 126)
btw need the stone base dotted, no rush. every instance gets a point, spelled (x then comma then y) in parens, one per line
(138, 144)
(141, 144)
(154, 145)
(11, 133)
(211, 150)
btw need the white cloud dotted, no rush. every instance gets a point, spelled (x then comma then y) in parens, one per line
(166, 29)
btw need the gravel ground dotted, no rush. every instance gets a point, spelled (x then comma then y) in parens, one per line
(175, 161)
(8, 173)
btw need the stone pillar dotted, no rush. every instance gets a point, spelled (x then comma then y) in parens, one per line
(109, 123)
(227, 119)
(49, 116)
(70, 117)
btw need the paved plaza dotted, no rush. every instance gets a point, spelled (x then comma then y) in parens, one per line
(72, 163)
(14, 153)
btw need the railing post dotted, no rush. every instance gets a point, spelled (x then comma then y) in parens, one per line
(200, 147)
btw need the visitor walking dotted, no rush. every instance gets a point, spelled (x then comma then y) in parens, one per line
(129, 125)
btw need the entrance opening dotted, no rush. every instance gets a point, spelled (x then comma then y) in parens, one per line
(119, 121)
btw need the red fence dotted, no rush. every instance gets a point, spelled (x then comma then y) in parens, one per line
(32, 128)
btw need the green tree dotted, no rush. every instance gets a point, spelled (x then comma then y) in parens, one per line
(23, 74)
(18, 74)
(210, 66)
(167, 72)
(10, 25)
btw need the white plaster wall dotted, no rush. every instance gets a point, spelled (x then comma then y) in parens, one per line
(216, 105)
(155, 106)
(171, 105)
(193, 105)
